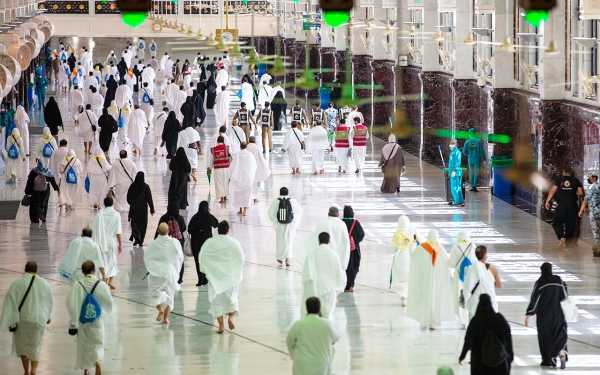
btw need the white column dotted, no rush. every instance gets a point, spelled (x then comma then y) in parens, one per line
(552, 82)
(379, 52)
(463, 65)
(430, 50)
(503, 61)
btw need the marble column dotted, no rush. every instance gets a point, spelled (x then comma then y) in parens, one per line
(552, 84)
(289, 51)
(328, 63)
(363, 75)
(270, 45)
(299, 65)
(410, 87)
(314, 63)
(437, 112)
(384, 75)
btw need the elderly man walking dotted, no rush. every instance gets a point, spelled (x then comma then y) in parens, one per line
(163, 260)
(26, 312)
(89, 328)
(81, 249)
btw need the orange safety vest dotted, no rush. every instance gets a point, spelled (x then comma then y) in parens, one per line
(341, 137)
(360, 136)
(221, 158)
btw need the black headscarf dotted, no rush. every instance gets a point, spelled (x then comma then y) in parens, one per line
(171, 128)
(173, 208)
(136, 188)
(279, 108)
(188, 111)
(180, 162)
(484, 308)
(52, 116)
(122, 67)
(199, 105)
(348, 212)
(250, 81)
(202, 213)
(111, 89)
(107, 125)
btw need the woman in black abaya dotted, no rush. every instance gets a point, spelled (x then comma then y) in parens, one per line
(211, 92)
(139, 198)
(200, 229)
(122, 68)
(52, 116)
(189, 113)
(170, 134)
(486, 319)
(279, 108)
(180, 169)
(547, 294)
(108, 125)
(38, 206)
(199, 105)
(202, 72)
(111, 89)
(358, 234)
(201, 88)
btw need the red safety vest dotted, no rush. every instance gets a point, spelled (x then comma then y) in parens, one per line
(360, 136)
(341, 137)
(221, 158)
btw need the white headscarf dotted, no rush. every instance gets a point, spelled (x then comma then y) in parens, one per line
(16, 133)
(464, 236)
(403, 222)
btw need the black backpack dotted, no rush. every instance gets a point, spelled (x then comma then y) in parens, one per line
(285, 214)
(493, 352)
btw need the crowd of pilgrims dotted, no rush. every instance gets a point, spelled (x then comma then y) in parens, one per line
(434, 285)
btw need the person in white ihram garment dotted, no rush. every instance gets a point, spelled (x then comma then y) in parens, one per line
(180, 98)
(168, 71)
(222, 78)
(262, 168)
(63, 76)
(163, 60)
(401, 245)
(121, 176)
(81, 249)
(247, 94)
(146, 94)
(316, 144)
(430, 298)
(462, 256)
(46, 146)
(107, 234)
(170, 94)
(213, 142)
(88, 120)
(236, 136)
(241, 179)
(96, 100)
(22, 122)
(163, 260)
(123, 95)
(310, 341)
(72, 187)
(127, 56)
(77, 99)
(222, 106)
(90, 81)
(86, 61)
(136, 129)
(264, 93)
(148, 76)
(57, 157)
(13, 170)
(322, 276)
(31, 319)
(124, 113)
(97, 171)
(130, 79)
(359, 135)
(338, 235)
(90, 336)
(293, 143)
(285, 230)
(221, 258)
(191, 149)
(159, 124)
(481, 278)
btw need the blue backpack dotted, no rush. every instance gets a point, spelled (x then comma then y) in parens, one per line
(13, 151)
(71, 176)
(153, 47)
(86, 184)
(75, 82)
(141, 46)
(47, 150)
(106, 78)
(146, 98)
(90, 309)
(120, 122)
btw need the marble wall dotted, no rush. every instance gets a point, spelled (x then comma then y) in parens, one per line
(410, 89)
(363, 75)
(383, 107)
(437, 111)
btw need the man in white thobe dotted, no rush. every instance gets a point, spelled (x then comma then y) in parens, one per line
(57, 156)
(222, 107)
(159, 124)
(107, 234)
(180, 98)
(123, 95)
(462, 256)
(81, 249)
(168, 71)
(146, 106)
(221, 258)
(96, 100)
(120, 177)
(322, 277)
(148, 76)
(338, 233)
(31, 319)
(264, 93)
(482, 275)
(402, 243)
(317, 143)
(170, 94)
(262, 168)
(358, 137)
(90, 81)
(163, 260)
(241, 179)
(86, 61)
(213, 142)
(136, 129)
(222, 78)
(284, 231)
(430, 300)
(310, 341)
(236, 136)
(77, 98)
(90, 336)
(293, 143)
(22, 122)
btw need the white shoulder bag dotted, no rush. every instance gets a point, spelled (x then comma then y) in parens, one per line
(569, 308)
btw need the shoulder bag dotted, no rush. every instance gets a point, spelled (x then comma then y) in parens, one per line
(383, 167)
(569, 308)
(94, 128)
(125, 170)
(298, 138)
(352, 243)
(14, 327)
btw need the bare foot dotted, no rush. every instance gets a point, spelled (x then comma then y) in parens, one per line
(240, 212)
(322, 171)
(160, 316)
(166, 321)
(230, 323)
(221, 330)
(154, 151)
(279, 261)
(112, 287)
(256, 201)
(287, 263)
(293, 172)
(315, 172)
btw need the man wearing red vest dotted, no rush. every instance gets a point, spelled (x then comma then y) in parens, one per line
(359, 135)
(342, 145)
(220, 165)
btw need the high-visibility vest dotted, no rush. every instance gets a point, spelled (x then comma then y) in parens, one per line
(243, 117)
(297, 114)
(317, 115)
(265, 117)
(360, 136)
(341, 137)
(221, 157)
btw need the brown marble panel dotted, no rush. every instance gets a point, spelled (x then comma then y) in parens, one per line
(437, 111)
(289, 51)
(314, 63)
(384, 75)
(410, 89)
(328, 62)
(340, 63)
(363, 75)
(299, 65)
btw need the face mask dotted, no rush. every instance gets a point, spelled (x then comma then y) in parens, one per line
(590, 181)
(452, 147)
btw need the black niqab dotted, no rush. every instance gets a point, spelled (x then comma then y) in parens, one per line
(211, 95)
(52, 116)
(199, 105)
(111, 89)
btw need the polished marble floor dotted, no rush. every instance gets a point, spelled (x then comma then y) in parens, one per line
(377, 338)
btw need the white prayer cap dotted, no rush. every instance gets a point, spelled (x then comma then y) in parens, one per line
(464, 236)
(403, 222)
(433, 236)
(445, 370)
